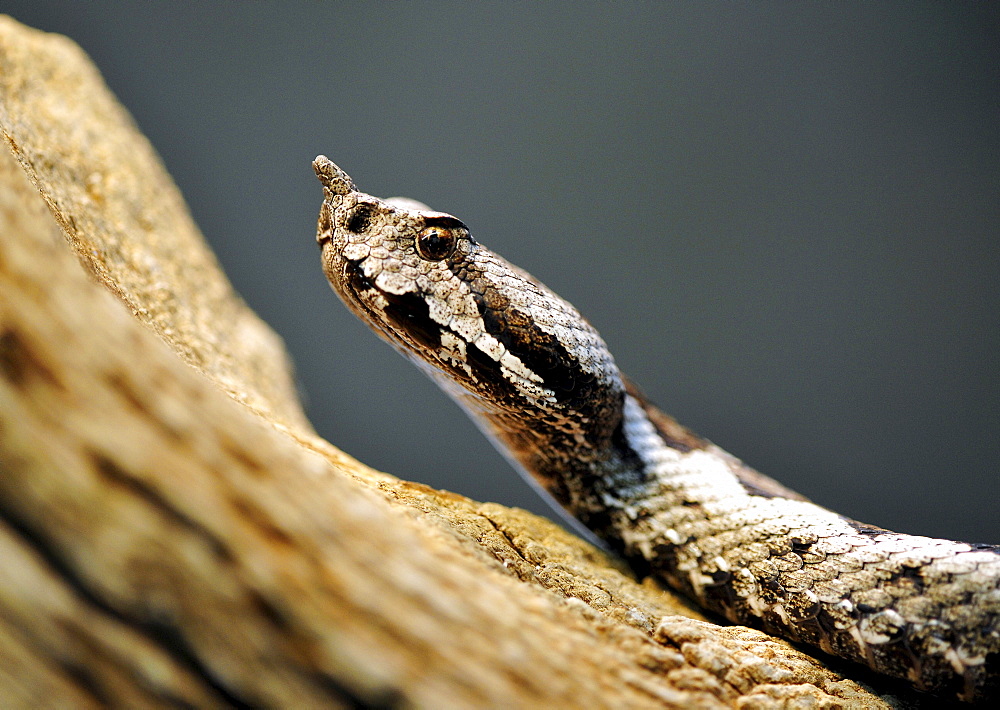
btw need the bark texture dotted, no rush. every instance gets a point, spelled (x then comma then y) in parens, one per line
(173, 532)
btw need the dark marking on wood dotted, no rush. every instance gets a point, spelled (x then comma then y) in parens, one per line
(19, 364)
(113, 474)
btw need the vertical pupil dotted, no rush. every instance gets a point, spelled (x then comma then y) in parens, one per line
(435, 244)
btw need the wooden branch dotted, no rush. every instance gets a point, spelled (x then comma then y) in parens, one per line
(173, 531)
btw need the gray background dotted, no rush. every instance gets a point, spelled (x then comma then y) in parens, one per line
(782, 217)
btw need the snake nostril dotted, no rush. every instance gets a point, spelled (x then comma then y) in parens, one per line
(359, 219)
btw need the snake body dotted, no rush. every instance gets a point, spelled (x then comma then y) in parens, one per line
(540, 382)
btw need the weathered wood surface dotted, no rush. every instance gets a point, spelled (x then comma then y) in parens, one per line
(173, 532)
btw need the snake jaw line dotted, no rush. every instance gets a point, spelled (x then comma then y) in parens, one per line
(540, 382)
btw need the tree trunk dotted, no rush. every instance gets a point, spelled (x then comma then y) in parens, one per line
(173, 532)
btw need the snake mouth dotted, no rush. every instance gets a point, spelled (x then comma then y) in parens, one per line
(355, 284)
(405, 316)
(324, 227)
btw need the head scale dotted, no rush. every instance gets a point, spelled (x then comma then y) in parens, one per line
(335, 181)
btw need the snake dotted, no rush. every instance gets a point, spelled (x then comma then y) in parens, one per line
(540, 383)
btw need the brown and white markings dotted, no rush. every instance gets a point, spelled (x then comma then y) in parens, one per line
(540, 382)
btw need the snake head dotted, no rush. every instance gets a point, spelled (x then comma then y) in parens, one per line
(462, 313)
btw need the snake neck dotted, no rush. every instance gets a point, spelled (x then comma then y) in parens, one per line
(572, 445)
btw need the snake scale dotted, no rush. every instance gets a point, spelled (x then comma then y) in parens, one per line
(539, 381)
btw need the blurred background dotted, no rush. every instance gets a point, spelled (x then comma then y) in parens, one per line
(783, 218)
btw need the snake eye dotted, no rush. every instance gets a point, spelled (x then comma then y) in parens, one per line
(436, 243)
